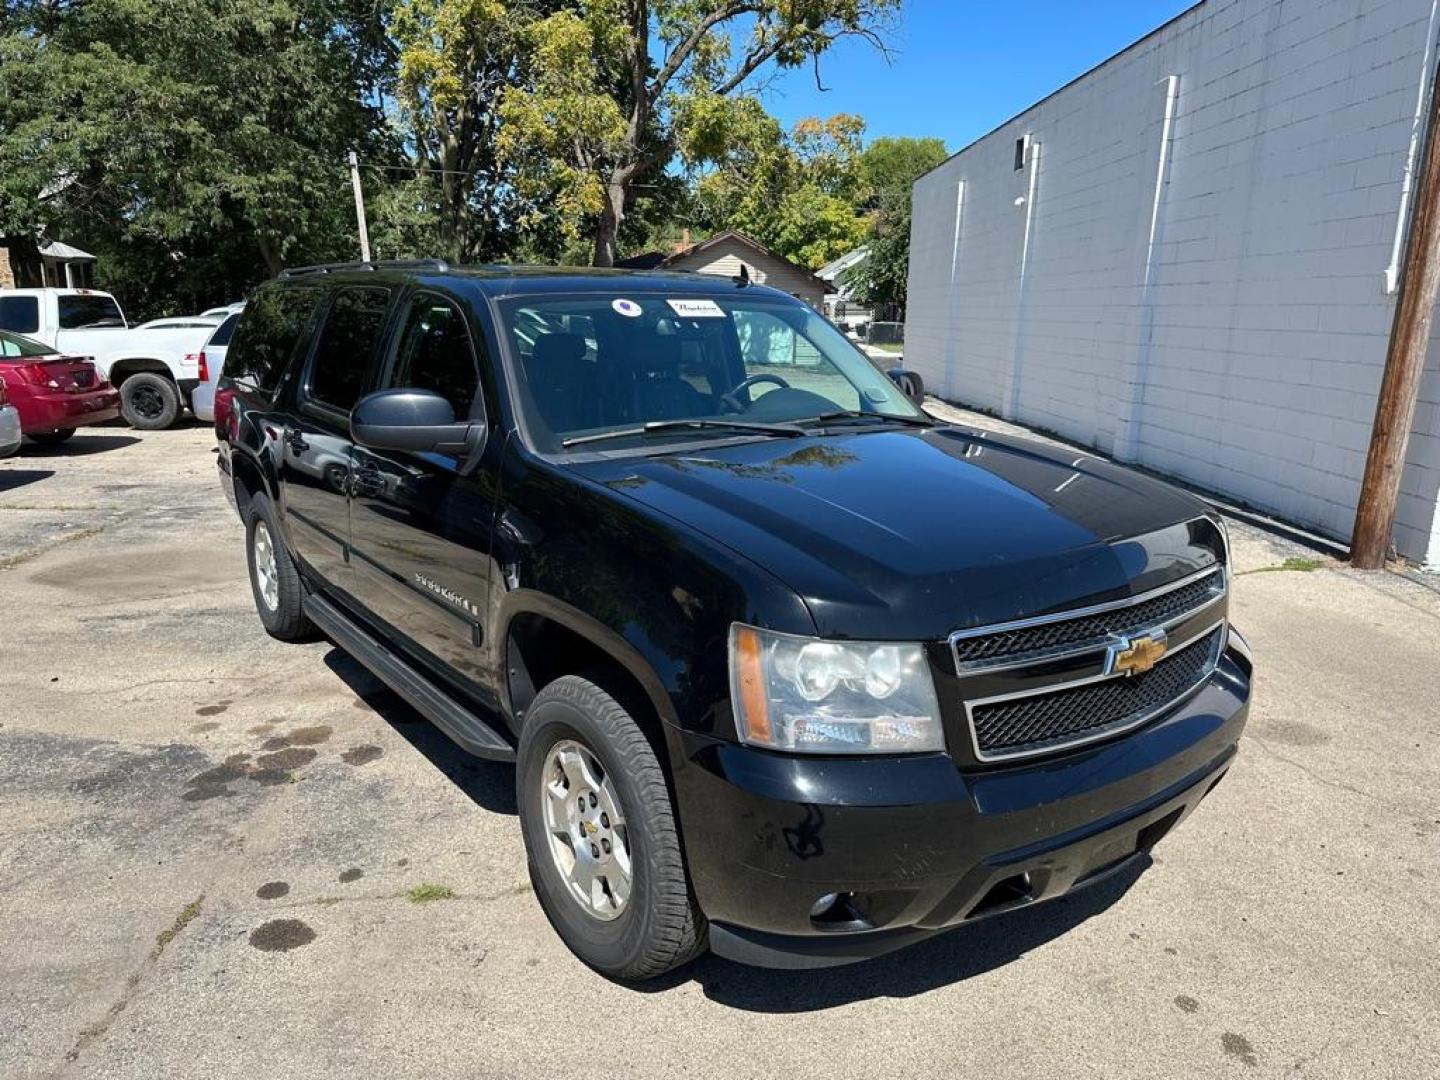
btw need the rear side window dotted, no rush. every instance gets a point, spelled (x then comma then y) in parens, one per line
(224, 332)
(348, 343)
(88, 312)
(20, 313)
(266, 334)
(435, 353)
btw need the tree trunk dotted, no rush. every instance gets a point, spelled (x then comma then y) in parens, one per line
(607, 229)
(273, 263)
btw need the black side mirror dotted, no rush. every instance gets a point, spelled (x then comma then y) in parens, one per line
(910, 384)
(420, 421)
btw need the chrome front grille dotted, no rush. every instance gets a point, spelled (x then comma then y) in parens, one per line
(1043, 685)
(1033, 638)
(1043, 721)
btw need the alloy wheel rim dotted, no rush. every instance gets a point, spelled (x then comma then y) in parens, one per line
(588, 838)
(267, 576)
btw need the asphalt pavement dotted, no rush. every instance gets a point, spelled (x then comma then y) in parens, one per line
(221, 856)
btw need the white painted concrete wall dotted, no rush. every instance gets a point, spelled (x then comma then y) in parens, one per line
(1204, 295)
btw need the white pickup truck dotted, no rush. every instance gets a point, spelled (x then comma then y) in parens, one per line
(156, 368)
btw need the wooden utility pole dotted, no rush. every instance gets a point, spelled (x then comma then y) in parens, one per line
(1404, 361)
(359, 207)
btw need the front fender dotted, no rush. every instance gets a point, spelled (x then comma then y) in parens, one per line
(652, 593)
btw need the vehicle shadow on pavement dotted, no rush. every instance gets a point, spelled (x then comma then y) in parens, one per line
(77, 446)
(945, 959)
(12, 479)
(488, 784)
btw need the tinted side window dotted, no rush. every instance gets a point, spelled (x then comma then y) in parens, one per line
(435, 353)
(225, 331)
(20, 313)
(348, 342)
(266, 335)
(85, 312)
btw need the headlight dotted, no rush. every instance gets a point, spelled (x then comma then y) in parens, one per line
(832, 697)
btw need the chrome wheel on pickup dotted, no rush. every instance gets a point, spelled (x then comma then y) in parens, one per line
(588, 838)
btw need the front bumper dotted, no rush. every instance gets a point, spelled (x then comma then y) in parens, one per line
(46, 412)
(913, 846)
(10, 433)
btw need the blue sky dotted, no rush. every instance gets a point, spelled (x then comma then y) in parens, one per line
(962, 68)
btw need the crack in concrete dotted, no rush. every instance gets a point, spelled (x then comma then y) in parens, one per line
(89, 1034)
(519, 889)
(1325, 781)
(9, 562)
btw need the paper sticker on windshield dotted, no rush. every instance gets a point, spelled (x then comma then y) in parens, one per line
(629, 308)
(696, 309)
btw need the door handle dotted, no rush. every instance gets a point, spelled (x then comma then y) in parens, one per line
(295, 440)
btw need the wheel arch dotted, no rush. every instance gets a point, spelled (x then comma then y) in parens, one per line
(542, 638)
(120, 370)
(249, 477)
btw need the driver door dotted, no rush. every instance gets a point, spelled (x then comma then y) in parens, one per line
(420, 523)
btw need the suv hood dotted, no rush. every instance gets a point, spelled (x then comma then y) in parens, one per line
(914, 533)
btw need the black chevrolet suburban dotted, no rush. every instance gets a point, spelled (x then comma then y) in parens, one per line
(788, 669)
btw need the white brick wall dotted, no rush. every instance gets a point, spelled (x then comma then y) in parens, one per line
(1247, 357)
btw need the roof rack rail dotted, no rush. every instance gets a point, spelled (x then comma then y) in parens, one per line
(439, 265)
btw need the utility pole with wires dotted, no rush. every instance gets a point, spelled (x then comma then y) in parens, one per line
(359, 207)
(1404, 360)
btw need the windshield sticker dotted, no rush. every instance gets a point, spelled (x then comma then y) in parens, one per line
(629, 308)
(696, 309)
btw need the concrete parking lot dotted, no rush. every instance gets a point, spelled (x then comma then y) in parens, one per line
(221, 856)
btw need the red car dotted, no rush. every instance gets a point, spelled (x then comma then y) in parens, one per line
(53, 393)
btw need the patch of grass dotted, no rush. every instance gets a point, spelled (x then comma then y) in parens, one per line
(889, 348)
(187, 914)
(429, 892)
(1296, 563)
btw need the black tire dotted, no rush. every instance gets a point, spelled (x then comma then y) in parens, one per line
(53, 438)
(149, 401)
(284, 618)
(660, 926)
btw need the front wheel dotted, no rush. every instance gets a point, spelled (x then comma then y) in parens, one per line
(149, 401)
(53, 438)
(600, 835)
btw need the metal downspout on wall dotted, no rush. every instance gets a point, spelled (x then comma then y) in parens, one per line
(1127, 436)
(948, 389)
(1011, 398)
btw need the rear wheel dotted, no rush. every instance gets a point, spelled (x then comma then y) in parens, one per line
(274, 580)
(149, 401)
(53, 438)
(600, 835)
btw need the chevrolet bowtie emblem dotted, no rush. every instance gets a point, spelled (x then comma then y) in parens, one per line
(1136, 655)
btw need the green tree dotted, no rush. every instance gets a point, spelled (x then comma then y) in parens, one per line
(619, 84)
(210, 131)
(794, 193)
(890, 166)
(456, 61)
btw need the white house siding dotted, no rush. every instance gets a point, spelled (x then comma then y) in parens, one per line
(725, 257)
(1206, 297)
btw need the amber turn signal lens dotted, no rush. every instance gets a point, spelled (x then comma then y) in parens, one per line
(750, 679)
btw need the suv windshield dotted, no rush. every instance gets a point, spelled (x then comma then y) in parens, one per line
(615, 362)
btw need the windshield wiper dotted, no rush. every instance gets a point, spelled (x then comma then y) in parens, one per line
(789, 431)
(876, 418)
